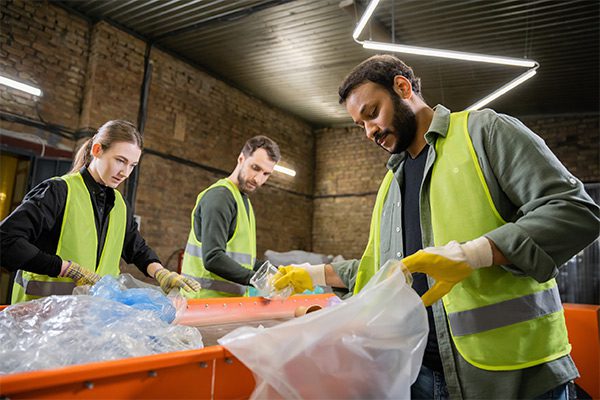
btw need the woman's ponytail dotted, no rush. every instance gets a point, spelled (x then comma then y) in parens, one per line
(83, 156)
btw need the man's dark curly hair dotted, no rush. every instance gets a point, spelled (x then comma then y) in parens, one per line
(380, 69)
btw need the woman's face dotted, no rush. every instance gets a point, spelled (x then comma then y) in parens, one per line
(112, 166)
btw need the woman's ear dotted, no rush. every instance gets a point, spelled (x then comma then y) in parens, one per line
(402, 87)
(96, 149)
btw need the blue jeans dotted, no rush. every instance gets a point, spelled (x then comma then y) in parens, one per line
(431, 385)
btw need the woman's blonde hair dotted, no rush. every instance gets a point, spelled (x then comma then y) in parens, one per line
(109, 133)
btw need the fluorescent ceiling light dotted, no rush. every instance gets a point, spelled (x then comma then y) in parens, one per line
(20, 86)
(364, 19)
(509, 86)
(285, 170)
(457, 55)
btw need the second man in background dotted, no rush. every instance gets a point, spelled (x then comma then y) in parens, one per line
(221, 250)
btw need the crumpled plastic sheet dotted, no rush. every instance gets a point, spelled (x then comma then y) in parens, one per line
(138, 294)
(369, 346)
(58, 331)
(140, 298)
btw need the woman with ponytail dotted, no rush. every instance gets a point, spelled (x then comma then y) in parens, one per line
(74, 229)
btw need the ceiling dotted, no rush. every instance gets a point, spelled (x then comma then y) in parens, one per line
(294, 54)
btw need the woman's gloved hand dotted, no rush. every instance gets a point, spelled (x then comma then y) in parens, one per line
(449, 264)
(81, 275)
(169, 280)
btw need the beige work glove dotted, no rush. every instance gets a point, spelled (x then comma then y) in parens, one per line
(81, 275)
(169, 280)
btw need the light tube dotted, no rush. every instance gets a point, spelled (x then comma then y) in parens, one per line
(285, 170)
(20, 86)
(509, 86)
(364, 19)
(457, 55)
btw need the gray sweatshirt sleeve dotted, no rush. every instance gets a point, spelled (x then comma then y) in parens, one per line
(215, 218)
(552, 217)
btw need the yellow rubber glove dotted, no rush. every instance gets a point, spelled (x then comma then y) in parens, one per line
(297, 277)
(81, 275)
(449, 264)
(169, 280)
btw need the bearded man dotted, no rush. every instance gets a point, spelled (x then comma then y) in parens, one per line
(221, 249)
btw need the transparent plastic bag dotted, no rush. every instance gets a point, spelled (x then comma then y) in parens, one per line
(369, 346)
(263, 282)
(58, 331)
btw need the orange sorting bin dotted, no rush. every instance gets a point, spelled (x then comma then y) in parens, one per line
(583, 324)
(208, 373)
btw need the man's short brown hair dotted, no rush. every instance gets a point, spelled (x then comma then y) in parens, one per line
(262, 142)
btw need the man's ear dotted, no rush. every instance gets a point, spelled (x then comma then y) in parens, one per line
(402, 87)
(96, 149)
(241, 158)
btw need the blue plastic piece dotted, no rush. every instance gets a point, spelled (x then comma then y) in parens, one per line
(140, 298)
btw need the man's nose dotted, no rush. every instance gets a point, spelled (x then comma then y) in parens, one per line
(370, 130)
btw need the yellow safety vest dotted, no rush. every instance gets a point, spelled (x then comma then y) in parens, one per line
(241, 248)
(498, 321)
(78, 242)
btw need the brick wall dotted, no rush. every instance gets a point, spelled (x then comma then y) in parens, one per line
(349, 169)
(47, 48)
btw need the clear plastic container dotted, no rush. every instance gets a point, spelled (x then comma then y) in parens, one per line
(263, 282)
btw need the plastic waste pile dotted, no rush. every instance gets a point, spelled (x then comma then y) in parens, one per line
(112, 322)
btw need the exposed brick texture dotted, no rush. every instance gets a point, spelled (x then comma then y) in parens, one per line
(48, 48)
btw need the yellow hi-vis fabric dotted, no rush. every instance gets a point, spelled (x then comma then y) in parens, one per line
(498, 321)
(78, 242)
(241, 248)
(369, 262)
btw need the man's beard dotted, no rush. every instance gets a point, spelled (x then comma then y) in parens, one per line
(243, 184)
(404, 126)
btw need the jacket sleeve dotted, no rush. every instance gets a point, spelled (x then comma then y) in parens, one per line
(552, 217)
(135, 249)
(214, 215)
(40, 214)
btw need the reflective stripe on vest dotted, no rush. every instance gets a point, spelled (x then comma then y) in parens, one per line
(241, 258)
(43, 288)
(505, 313)
(498, 321)
(78, 241)
(241, 248)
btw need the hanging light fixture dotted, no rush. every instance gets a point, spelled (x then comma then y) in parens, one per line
(456, 55)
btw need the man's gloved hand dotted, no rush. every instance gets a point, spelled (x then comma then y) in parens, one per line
(169, 280)
(300, 276)
(81, 275)
(449, 264)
